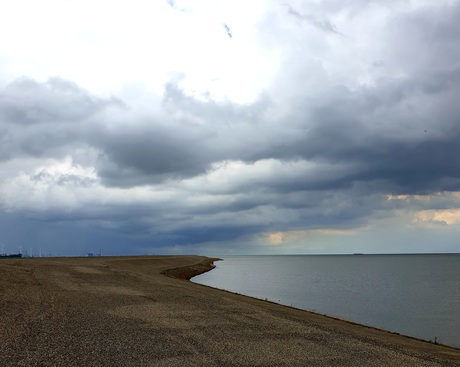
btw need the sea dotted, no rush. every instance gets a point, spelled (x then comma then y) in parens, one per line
(414, 295)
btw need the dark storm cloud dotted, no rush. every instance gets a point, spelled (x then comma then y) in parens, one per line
(46, 119)
(26, 101)
(41, 119)
(155, 154)
(182, 143)
(327, 161)
(196, 235)
(404, 132)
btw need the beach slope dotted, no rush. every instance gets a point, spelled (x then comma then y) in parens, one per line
(132, 311)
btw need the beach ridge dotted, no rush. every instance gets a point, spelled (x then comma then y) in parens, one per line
(124, 311)
(189, 271)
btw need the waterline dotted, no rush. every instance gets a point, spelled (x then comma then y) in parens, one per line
(415, 295)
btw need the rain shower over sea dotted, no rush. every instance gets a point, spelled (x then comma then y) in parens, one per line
(414, 295)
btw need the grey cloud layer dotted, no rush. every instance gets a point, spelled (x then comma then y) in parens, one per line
(338, 150)
(45, 119)
(379, 131)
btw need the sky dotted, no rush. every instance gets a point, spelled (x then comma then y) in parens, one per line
(229, 127)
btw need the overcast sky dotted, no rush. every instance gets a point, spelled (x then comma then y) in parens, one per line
(229, 127)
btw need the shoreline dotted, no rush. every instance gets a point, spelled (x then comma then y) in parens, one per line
(130, 311)
(188, 272)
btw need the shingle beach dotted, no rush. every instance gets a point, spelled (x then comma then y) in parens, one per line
(132, 311)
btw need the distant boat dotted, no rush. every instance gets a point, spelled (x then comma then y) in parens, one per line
(358, 253)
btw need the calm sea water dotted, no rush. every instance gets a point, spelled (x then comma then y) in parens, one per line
(416, 295)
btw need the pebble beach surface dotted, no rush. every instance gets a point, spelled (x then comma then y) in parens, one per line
(139, 311)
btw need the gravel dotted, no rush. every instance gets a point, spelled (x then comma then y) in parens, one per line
(122, 311)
